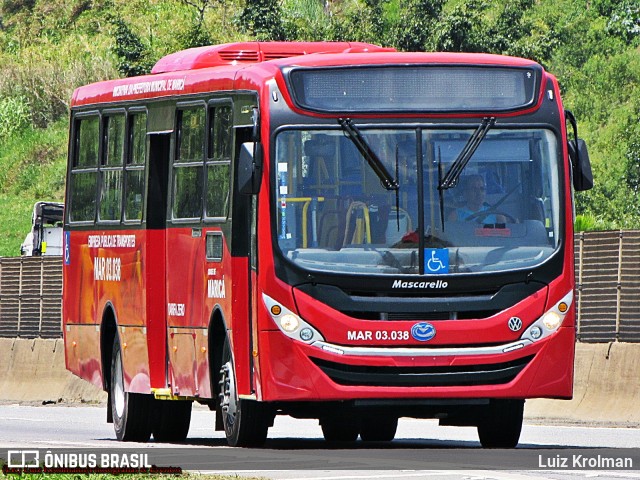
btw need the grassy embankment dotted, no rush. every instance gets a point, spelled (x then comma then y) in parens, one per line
(32, 164)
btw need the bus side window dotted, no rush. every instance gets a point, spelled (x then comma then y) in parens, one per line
(111, 168)
(219, 147)
(134, 168)
(84, 173)
(188, 164)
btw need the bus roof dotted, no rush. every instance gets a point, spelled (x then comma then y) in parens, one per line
(215, 68)
(253, 52)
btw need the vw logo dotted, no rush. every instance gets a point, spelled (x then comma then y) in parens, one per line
(423, 332)
(515, 324)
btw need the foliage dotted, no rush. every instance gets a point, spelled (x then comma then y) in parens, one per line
(15, 215)
(32, 162)
(306, 20)
(263, 20)
(32, 168)
(14, 115)
(196, 34)
(131, 52)
(584, 223)
(625, 21)
(131, 476)
(416, 19)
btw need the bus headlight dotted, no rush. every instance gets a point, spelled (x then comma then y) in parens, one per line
(306, 334)
(550, 321)
(289, 323)
(536, 332)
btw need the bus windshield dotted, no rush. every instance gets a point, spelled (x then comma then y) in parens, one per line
(334, 214)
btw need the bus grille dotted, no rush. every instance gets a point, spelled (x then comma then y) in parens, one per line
(420, 316)
(446, 376)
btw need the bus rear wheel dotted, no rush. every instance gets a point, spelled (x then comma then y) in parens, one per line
(502, 424)
(246, 422)
(171, 420)
(131, 412)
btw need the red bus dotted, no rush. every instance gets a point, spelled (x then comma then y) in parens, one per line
(325, 230)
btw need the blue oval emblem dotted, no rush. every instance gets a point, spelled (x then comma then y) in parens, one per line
(423, 332)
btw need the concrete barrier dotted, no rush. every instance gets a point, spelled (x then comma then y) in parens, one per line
(606, 386)
(33, 370)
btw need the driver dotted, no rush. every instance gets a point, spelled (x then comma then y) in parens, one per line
(474, 189)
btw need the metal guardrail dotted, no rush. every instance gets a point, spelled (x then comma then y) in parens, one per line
(608, 286)
(31, 297)
(607, 290)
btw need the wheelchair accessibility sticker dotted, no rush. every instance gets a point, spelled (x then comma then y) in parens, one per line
(67, 248)
(436, 260)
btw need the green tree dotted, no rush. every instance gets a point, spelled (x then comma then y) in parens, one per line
(417, 19)
(263, 19)
(461, 30)
(197, 35)
(307, 20)
(133, 56)
(360, 21)
(624, 21)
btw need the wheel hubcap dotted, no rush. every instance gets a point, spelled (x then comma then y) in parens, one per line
(228, 394)
(118, 391)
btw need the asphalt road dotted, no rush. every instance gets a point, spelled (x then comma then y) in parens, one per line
(296, 449)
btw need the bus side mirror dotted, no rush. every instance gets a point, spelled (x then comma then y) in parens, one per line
(582, 176)
(250, 168)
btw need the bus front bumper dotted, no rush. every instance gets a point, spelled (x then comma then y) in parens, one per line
(326, 372)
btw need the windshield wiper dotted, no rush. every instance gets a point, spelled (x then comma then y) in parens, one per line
(452, 176)
(388, 182)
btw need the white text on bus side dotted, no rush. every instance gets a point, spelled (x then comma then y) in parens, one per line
(106, 269)
(176, 309)
(111, 241)
(215, 288)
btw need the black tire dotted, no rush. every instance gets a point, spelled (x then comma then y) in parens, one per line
(340, 429)
(502, 424)
(246, 422)
(171, 420)
(131, 412)
(378, 429)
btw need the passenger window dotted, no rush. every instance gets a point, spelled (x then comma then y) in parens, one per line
(188, 164)
(114, 140)
(111, 169)
(88, 142)
(188, 192)
(135, 167)
(84, 174)
(220, 146)
(191, 135)
(83, 196)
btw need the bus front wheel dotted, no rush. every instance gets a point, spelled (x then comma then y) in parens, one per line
(501, 425)
(171, 420)
(130, 411)
(340, 428)
(378, 428)
(246, 422)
